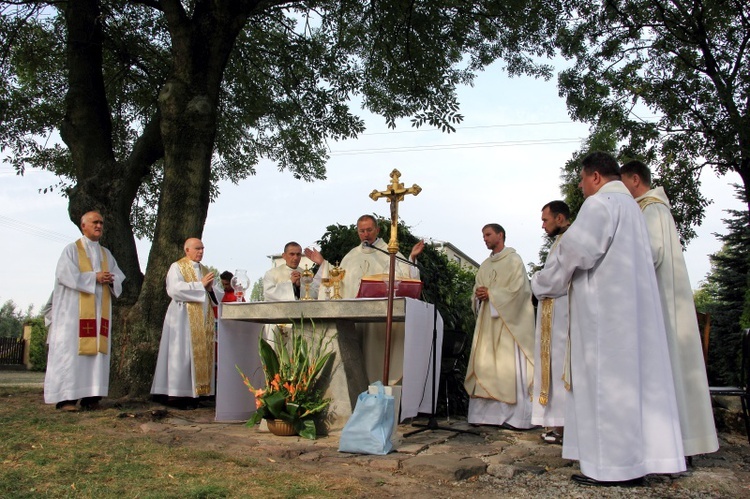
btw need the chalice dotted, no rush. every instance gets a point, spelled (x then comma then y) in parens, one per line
(306, 278)
(336, 275)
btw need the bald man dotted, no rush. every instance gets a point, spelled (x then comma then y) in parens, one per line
(185, 367)
(87, 278)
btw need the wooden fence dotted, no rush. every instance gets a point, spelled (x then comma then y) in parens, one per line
(11, 351)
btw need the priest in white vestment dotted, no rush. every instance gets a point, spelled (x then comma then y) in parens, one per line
(86, 279)
(551, 340)
(371, 257)
(683, 336)
(621, 419)
(501, 369)
(282, 283)
(185, 366)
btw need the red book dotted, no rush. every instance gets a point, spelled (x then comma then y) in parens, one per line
(374, 286)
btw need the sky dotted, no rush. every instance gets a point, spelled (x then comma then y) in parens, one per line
(502, 165)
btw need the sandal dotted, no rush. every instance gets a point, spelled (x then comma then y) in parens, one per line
(552, 437)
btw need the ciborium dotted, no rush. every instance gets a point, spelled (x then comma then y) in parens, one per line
(306, 279)
(335, 276)
(326, 282)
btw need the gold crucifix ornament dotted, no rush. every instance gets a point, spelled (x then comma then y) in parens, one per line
(393, 194)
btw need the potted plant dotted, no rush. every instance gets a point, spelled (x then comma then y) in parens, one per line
(292, 368)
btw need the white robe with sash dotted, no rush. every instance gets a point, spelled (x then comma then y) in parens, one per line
(553, 412)
(71, 376)
(500, 366)
(683, 337)
(621, 418)
(175, 370)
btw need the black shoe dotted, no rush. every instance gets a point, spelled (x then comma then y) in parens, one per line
(183, 403)
(67, 406)
(584, 480)
(90, 403)
(506, 426)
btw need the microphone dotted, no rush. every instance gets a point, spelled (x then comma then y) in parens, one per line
(368, 244)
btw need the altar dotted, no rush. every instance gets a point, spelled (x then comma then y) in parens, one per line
(348, 321)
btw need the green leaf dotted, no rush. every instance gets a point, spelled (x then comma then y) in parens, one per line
(306, 429)
(269, 358)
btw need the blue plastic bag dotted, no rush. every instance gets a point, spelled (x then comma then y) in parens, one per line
(369, 428)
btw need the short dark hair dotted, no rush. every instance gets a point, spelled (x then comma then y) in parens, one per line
(636, 167)
(226, 276)
(497, 229)
(601, 162)
(558, 207)
(368, 217)
(291, 243)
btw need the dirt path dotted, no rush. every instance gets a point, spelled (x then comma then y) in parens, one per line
(440, 464)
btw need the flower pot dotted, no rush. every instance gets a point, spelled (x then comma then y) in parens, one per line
(281, 428)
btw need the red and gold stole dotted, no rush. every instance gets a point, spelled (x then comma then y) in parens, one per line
(201, 333)
(91, 341)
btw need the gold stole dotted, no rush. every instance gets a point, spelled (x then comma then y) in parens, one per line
(201, 333)
(545, 341)
(87, 334)
(548, 305)
(649, 201)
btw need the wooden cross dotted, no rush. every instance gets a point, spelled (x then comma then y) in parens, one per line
(393, 194)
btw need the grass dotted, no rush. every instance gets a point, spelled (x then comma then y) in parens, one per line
(50, 453)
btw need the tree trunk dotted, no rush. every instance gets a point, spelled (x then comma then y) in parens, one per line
(188, 105)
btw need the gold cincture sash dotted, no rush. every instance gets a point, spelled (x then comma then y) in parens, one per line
(545, 348)
(91, 342)
(201, 333)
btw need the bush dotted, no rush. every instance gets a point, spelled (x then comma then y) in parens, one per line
(38, 345)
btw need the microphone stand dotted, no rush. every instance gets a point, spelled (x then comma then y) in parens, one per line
(432, 423)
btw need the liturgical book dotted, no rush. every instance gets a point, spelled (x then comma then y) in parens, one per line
(375, 286)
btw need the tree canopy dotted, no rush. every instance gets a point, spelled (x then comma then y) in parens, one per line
(155, 100)
(671, 80)
(723, 295)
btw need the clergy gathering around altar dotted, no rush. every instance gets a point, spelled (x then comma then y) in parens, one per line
(600, 347)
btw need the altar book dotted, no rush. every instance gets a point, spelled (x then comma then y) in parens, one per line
(375, 286)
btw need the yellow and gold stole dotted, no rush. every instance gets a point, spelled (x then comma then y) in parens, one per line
(545, 341)
(91, 342)
(545, 348)
(649, 201)
(201, 333)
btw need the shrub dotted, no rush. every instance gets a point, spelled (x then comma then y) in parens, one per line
(38, 345)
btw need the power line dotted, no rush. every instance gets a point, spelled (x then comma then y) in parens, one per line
(495, 125)
(470, 145)
(33, 230)
(475, 127)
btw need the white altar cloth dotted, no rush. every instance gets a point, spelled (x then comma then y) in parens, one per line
(239, 330)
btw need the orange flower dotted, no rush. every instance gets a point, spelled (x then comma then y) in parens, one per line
(275, 382)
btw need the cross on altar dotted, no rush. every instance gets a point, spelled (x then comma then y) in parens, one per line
(394, 193)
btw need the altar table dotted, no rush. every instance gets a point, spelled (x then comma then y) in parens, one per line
(240, 326)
